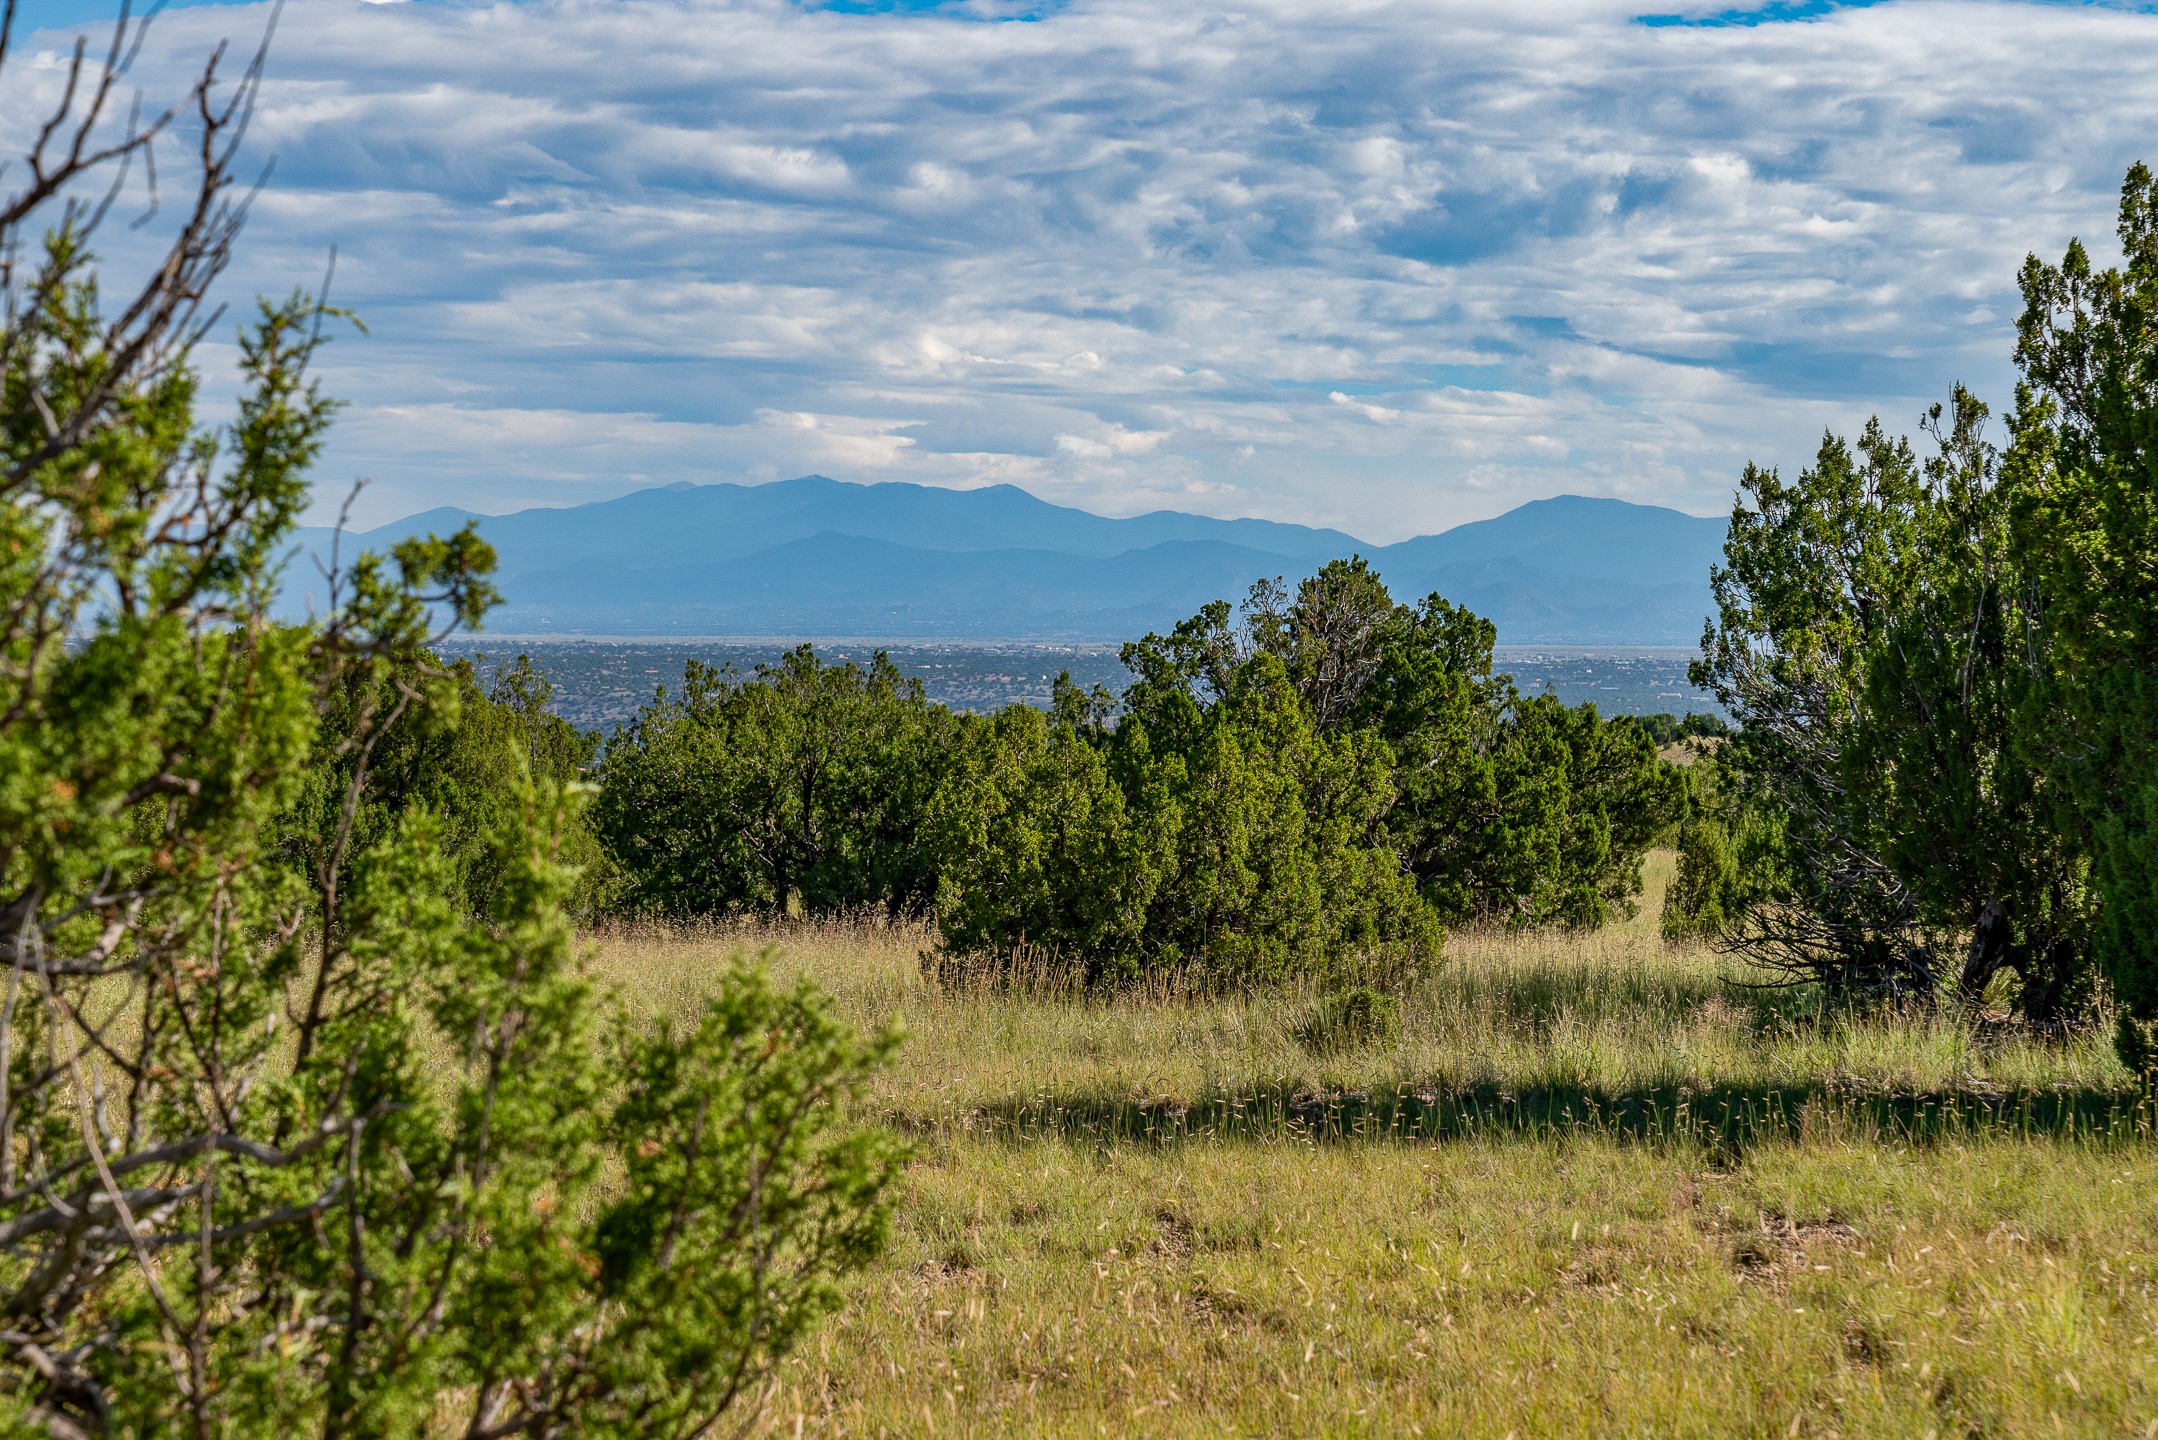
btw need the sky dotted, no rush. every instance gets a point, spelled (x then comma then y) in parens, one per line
(1374, 264)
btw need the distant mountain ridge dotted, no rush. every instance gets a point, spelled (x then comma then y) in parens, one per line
(823, 557)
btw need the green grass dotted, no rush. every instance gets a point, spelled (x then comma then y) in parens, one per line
(1590, 1187)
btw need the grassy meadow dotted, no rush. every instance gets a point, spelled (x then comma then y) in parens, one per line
(1588, 1186)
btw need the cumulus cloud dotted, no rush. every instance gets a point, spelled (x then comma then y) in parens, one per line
(1382, 264)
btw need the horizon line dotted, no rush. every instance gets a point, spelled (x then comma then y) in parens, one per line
(681, 485)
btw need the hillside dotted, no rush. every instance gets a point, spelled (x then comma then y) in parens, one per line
(821, 557)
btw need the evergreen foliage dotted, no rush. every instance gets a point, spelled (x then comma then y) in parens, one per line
(1944, 668)
(801, 789)
(1876, 640)
(1230, 839)
(1041, 851)
(1310, 785)
(1508, 809)
(1730, 855)
(309, 1122)
(443, 743)
(1667, 729)
(2081, 472)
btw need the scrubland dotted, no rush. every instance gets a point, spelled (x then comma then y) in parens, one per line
(1589, 1185)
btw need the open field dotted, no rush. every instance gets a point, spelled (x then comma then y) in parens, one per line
(1592, 1187)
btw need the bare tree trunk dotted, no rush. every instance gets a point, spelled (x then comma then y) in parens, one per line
(1990, 940)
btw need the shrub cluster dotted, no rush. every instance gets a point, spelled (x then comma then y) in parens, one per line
(1243, 843)
(1664, 729)
(1315, 781)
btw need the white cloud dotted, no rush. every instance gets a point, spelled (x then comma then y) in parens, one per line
(1378, 413)
(845, 442)
(1114, 442)
(1387, 264)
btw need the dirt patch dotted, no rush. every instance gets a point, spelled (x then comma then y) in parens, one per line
(1594, 1272)
(1174, 1239)
(1782, 1247)
(954, 1267)
(1210, 1306)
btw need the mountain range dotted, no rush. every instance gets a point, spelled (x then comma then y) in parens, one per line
(817, 557)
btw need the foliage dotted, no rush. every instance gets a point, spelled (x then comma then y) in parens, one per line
(1876, 641)
(1314, 781)
(1508, 809)
(1038, 847)
(1730, 855)
(1665, 729)
(306, 1119)
(442, 743)
(744, 1198)
(2082, 475)
(1945, 674)
(658, 1241)
(802, 788)
(1230, 840)
(1546, 826)
(1277, 860)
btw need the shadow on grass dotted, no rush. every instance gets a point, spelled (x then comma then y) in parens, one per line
(1531, 1000)
(1724, 1118)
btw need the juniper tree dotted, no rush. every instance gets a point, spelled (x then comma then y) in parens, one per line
(1506, 808)
(2081, 472)
(1509, 808)
(803, 785)
(313, 1147)
(1310, 785)
(1229, 842)
(1878, 643)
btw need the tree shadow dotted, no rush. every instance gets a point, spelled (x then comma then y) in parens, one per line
(1724, 1118)
(1532, 999)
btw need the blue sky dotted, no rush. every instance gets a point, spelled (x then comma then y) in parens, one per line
(1376, 264)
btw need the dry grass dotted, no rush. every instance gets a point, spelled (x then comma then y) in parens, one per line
(1516, 1286)
(1592, 1188)
(1616, 1012)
